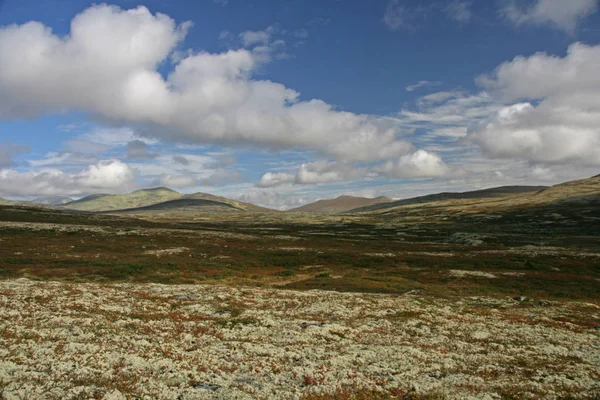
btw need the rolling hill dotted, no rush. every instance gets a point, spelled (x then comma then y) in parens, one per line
(159, 201)
(577, 194)
(139, 198)
(502, 191)
(193, 204)
(339, 205)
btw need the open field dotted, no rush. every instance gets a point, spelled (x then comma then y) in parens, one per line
(414, 304)
(114, 341)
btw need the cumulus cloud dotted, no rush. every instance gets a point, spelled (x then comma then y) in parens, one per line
(112, 175)
(558, 13)
(555, 117)
(271, 179)
(328, 172)
(317, 172)
(421, 164)
(253, 38)
(108, 64)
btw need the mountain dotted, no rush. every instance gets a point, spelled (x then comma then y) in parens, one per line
(107, 202)
(193, 204)
(340, 204)
(4, 201)
(53, 200)
(573, 191)
(159, 200)
(240, 205)
(573, 194)
(431, 198)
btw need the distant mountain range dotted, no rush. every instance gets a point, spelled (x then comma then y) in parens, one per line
(162, 201)
(340, 204)
(53, 200)
(107, 202)
(159, 200)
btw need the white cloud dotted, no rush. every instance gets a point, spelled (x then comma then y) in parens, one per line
(521, 131)
(420, 84)
(559, 121)
(421, 164)
(327, 172)
(114, 137)
(271, 179)
(563, 14)
(112, 175)
(317, 172)
(108, 66)
(253, 38)
(449, 109)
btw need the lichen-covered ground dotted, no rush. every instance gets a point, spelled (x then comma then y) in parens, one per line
(114, 341)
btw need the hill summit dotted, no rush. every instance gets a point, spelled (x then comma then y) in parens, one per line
(340, 204)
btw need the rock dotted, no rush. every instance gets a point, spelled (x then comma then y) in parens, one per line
(206, 386)
(305, 325)
(471, 239)
(437, 374)
(520, 298)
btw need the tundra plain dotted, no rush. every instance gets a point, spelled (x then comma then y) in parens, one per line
(492, 298)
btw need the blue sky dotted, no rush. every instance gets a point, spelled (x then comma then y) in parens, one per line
(285, 102)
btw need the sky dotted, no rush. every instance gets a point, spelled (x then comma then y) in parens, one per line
(285, 102)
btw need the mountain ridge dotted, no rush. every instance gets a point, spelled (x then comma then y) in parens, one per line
(500, 191)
